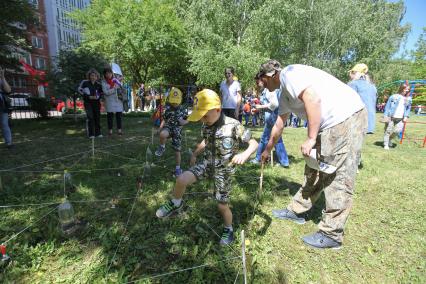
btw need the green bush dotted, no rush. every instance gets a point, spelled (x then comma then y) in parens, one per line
(40, 105)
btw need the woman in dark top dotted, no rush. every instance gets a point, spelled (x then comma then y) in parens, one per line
(91, 90)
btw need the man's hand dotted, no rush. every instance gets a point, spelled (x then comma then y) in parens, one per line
(307, 146)
(192, 160)
(239, 159)
(265, 156)
(404, 119)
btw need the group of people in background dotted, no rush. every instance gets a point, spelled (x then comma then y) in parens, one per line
(109, 89)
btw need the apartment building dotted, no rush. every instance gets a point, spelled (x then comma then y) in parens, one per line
(37, 59)
(63, 32)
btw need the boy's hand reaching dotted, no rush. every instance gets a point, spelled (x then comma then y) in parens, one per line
(239, 159)
(193, 160)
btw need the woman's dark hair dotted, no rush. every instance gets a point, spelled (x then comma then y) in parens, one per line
(106, 70)
(230, 69)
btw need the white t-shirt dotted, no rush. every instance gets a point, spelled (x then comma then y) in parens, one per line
(399, 111)
(338, 100)
(272, 99)
(229, 94)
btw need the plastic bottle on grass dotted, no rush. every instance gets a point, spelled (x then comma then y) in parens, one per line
(146, 169)
(148, 156)
(66, 216)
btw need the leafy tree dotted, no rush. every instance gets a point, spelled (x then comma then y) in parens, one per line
(12, 37)
(329, 34)
(72, 66)
(419, 56)
(146, 38)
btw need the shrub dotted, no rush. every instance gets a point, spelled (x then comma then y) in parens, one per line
(40, 105)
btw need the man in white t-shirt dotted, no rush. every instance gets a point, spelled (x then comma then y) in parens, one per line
(337, 121)
(230, 91)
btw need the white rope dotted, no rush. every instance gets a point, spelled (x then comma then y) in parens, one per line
(125, 230)
(185, 269)
(26, 228)
(71, 201)
(45, 161)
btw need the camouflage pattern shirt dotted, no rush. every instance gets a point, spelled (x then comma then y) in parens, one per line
(222, 140)
(172, 115)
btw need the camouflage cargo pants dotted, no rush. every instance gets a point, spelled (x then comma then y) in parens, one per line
(221, 176)
(340, 146)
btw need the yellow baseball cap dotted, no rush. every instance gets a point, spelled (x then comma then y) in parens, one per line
(360, 67)
(204, 101)
(175, 96)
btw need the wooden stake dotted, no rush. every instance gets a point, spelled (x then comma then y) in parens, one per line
(261, 178)
(93, 148)
(152, 136)
(272, 157)
(243, 250)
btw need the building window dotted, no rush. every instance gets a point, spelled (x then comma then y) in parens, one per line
(40, 63)
(19, 82)
(37, 42)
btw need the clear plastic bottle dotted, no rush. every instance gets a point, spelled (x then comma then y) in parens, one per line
(146, 170)
(66, 215)
(148, 156)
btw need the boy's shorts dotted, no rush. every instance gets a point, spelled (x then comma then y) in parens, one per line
(176, 134)
(221, 176)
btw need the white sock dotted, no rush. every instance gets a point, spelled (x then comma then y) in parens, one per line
(177, 202)
(229, 228)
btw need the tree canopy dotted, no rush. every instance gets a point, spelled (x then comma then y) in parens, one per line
(72, 66)
(14, 13)
(183, 40)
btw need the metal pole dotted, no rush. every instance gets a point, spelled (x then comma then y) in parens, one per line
(243, 250)
(152, 135)
(261, 178)
(93, 148)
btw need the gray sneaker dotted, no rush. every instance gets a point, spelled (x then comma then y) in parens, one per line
(286, 214)
(321, 241)
(168, 209)
(160, 151)
(227, 237)
(255, 162)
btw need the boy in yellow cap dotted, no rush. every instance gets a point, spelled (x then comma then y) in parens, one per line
(171, 126)
(221, 137)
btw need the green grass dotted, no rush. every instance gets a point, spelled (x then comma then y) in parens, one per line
(384, 237)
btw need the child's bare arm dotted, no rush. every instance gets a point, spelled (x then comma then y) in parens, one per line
(161, 125)
(198, 150)
(240, 159)
(182, 122)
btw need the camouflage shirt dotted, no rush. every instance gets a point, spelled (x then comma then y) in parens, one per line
(222, 140)
(172, 115)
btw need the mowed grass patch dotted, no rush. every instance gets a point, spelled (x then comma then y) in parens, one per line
(384, 237)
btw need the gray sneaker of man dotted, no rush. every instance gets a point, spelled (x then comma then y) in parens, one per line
(321, 241)
(286, 214)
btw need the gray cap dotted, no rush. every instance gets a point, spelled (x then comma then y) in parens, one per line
(269, 68)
